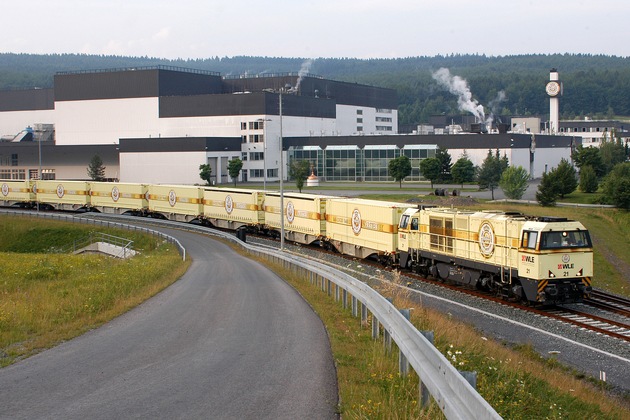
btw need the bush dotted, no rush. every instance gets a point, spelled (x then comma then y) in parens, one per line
(616, 186)
(548, 190)
(513, 182)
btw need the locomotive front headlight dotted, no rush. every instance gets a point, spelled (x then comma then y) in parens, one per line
(551, 274)
(579, 273)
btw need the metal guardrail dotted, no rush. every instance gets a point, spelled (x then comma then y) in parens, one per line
(452, 392)
(98, 222)
(592, 206)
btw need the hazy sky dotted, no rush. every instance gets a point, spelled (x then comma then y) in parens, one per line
(312, 29)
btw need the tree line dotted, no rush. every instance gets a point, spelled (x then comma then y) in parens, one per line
(594, 85)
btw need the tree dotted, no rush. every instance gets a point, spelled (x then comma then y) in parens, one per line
(205, 173)
(612, 152)
(430, 169)
(490, 171)
(463, 170)
(96, 170)
(234, 168)
(547, 193)
(616, 186)
(299, 171)
(567, 177)
(588, 179)
(442, 155)
(514, 181)
(589, 156)
(400, 168)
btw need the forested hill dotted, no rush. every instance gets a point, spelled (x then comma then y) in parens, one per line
(594, 85)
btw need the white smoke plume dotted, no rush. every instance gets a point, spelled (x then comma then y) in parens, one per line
(494, 106)
(304, 70)
(458, 86)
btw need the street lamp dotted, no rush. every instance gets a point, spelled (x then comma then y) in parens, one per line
(39, 176)
(281, 181)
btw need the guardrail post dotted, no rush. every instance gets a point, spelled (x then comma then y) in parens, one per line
(375, 327)
(364, 314)
(424, 392)
(471, 377)
(403, 363)
(336, 293)
(329, 287)
(355, 310)
(387, 340)
(345, 298)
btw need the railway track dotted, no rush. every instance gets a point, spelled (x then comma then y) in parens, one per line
(608, 302)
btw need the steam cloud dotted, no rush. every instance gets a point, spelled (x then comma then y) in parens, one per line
(304, 70)
(458, 86)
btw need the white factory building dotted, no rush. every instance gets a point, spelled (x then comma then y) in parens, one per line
(158, 124)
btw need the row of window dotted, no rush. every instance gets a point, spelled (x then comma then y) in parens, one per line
(358, 164)
(253, 125)
(258, 173)
(583, 129)
(253, 138)
(9, 160)
(47, 174)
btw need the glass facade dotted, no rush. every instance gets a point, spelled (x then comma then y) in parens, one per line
(352, 164)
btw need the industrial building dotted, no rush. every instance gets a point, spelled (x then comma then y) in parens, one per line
(158, 124)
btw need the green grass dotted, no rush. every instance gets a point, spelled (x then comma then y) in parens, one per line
(49, 298)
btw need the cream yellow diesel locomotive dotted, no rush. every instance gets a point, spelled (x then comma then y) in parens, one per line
(545, 260)
(538, 260)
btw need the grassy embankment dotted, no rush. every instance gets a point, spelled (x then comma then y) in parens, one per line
(46, 298)
(517, 382)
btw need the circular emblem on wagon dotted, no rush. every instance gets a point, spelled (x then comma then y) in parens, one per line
(60, 191)
(356, 221)
(486, 239)
(290, 211)
(5, 189)
(34, 189)
(115, 194)
(566, 258)
(172, 198)
(229, 204)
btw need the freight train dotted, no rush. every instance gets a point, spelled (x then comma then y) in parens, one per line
(537, 260)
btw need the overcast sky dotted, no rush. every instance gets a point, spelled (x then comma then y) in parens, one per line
(314, 28)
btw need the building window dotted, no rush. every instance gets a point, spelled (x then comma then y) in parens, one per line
(359, 112)
(244, 156)
(384, 110)
(383, 119)
(272, 173)
(256, 156)
(256, 173)
(359, 128)
(359, 120)
(243, 126)
(14, 159)
(243, 139)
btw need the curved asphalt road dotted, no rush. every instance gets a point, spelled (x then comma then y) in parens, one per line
(228, 340)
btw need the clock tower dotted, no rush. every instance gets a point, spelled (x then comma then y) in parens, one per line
(554, 90)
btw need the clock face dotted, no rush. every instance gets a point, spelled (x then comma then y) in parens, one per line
(553, 88)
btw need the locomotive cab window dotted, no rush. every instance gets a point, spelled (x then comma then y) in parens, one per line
(414, 223)
(565, 239)
(529, 239)
(404, 221)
